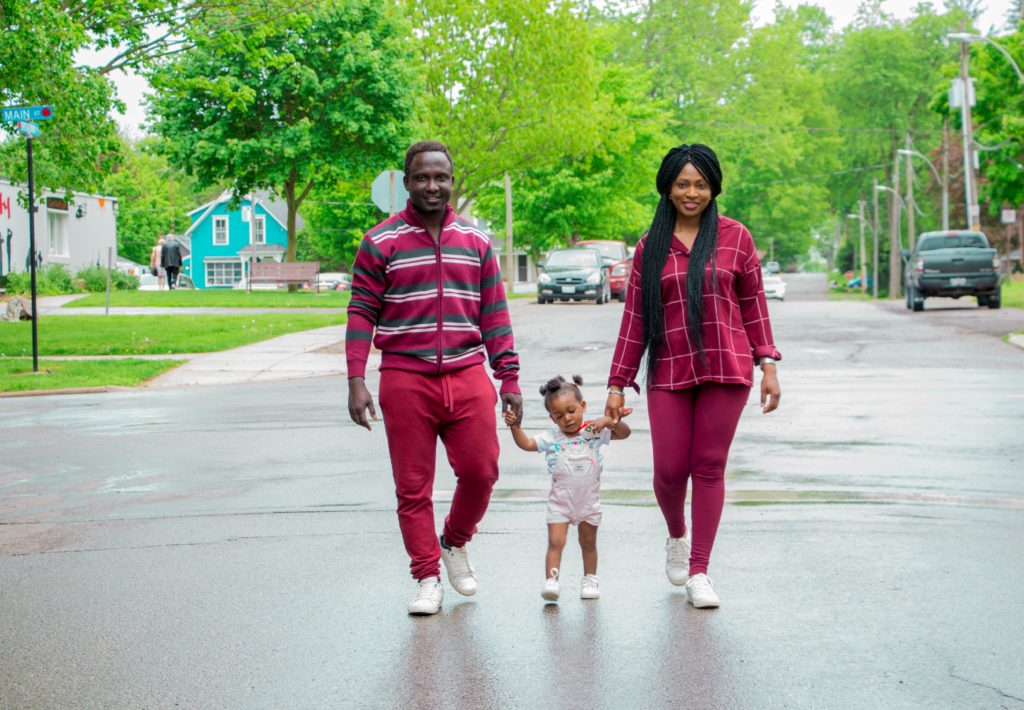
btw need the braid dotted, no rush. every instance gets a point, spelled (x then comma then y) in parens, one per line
(557, 385)
(659, 239)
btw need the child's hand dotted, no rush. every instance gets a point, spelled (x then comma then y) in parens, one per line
(510, 418)
(625, 412)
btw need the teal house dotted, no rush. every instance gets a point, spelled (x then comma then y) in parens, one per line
(222, 240)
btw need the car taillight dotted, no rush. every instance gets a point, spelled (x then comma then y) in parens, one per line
(995, 262)
(919, 265)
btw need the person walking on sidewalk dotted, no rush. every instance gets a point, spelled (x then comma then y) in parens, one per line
(702, 337)
(170, 260)
(426, 289)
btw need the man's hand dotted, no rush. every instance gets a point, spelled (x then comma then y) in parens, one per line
(512, 403)
(770, 392)
(359, 401)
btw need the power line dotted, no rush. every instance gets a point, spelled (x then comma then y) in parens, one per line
(804, 178)
(808, 129)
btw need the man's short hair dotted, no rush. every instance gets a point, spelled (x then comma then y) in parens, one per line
(426, 147)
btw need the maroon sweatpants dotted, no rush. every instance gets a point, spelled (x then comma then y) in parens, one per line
(459, 408)
(691, 431)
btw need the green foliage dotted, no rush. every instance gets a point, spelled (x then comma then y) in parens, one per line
(304, 101)
(153, 199)
(217, 298)
(336, 218)
(94, 280)
(508, 86)
(51, 280)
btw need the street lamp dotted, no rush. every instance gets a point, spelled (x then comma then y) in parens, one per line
(945, 187)
(968, 37)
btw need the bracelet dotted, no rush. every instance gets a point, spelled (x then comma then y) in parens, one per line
(621, 393)
(767, 361)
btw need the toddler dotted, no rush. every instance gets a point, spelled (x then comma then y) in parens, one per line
(572, 448)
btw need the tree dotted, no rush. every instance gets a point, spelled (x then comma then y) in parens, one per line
(508, 85)
(308, 100)
(152, 199)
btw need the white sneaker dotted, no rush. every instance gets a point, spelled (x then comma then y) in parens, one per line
(428, 597)
(589, 588)
(677, 560)
(460, 571)
(551, 586)
(701, 593)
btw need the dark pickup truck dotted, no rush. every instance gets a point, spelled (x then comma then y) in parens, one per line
(953, 264)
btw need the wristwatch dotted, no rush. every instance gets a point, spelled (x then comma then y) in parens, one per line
(767, 361)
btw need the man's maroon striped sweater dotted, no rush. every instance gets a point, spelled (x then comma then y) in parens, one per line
(429, 307)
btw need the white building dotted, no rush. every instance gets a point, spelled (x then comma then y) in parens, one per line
(76, 233)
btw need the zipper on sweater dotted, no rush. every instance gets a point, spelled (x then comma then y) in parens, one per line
(440, 299)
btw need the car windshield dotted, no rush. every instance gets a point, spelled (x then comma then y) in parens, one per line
(573, 258)
(953, 241)
(609, 250)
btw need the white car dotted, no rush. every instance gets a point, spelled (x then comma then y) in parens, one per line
(774, 287)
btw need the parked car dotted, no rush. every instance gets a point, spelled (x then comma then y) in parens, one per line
(575, 274)
(954, 264)
(616, 257)
(334, 281)
(772, 267)
(774, 287)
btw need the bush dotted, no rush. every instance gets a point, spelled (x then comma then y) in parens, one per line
(94, 279)
(51, 280)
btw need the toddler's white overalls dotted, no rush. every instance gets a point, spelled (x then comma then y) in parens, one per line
(575, 468)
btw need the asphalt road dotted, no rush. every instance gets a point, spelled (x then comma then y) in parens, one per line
(237, 547)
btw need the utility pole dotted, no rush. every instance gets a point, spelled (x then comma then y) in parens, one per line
(966, 98)
(863, 253)
(874, 231)
(910, 193)
(945, 181)
(895, 255)
(510, 278)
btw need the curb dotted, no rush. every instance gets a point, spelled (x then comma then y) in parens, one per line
(69, 390)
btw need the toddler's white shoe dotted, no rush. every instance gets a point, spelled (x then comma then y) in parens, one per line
(677, 560)
(461, 574)
(428, 597)
(551, 587)
(701, 593)
(589, 587)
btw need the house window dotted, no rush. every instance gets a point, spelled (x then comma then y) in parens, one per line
(220, 231)
(57, 227)
(223, 272)
(259, 230)
(523, 268)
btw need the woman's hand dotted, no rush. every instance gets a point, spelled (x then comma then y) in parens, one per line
(614, 406)
(770, 392)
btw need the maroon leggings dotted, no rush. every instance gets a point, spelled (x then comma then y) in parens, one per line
(459, 408)
(691, 430)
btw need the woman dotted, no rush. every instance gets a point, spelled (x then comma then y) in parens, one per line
(702, 337)
(155, 266)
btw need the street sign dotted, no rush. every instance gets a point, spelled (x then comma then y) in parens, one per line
(388, 192)
(10, 114)
(28, 128)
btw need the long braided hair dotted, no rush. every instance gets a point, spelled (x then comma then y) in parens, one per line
(659, 239)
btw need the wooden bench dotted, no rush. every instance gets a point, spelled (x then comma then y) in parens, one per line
(284, 272)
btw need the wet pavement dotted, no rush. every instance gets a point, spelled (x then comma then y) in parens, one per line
(236, 546)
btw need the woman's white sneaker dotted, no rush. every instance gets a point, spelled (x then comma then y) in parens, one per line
(551, 587)
(701, 593)
(589, 588)
(677, 560)
(428, 597)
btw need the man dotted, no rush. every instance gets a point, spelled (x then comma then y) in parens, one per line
(427, 290)
(170, 259)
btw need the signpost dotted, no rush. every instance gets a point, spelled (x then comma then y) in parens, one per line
(388, 191)
(26, 117)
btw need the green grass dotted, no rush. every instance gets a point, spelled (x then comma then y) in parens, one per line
(153, 335)
(1013, 293)
(16, 373)
(216, 299)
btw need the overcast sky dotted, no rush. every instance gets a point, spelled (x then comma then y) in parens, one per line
(131, 88)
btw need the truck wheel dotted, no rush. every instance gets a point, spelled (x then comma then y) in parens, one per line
(996, 299)
(982, 301)
(916, 299)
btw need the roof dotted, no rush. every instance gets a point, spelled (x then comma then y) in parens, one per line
(277, 209)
